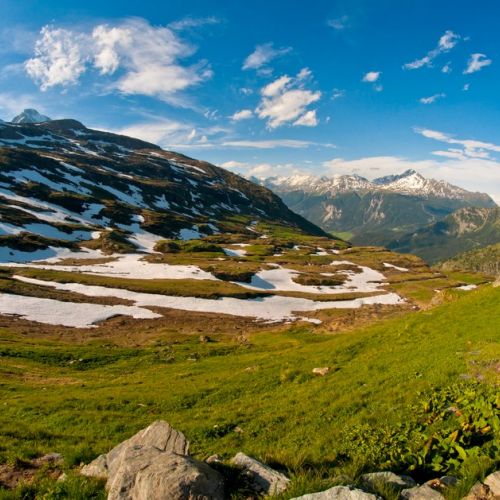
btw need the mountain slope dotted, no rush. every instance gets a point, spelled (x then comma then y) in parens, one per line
(485, 260)
(466, 229)
(62, 181)
(374, 212)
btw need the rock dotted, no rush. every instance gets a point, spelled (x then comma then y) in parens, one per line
(387, 478)
(204, 339)
(62, 477)
(213, 459)
(321, 371)
(479, 491)
(147, 473)
(339, 493)
(263, 478)
(442, 483)
(48, 459)
(493, 482)
(424, 492)
(159, 435)
(96, 468)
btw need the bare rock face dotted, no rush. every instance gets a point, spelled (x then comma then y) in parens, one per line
(146, 473)
(264, 479)
(480, 491)
(339, 493)
(154, 465)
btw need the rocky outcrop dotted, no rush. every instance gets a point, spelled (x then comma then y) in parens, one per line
(154, 465)
(493, 483)
(424, 492)
(262, 477)
(339, 493)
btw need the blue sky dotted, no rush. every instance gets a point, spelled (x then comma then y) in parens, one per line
(271, 87)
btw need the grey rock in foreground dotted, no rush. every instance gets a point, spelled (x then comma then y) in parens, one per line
(154, 465)
(398, 482)
(339, 493)
(480, 491)
(159, 434)
(146, 473)
(262, 477)
(424, 492)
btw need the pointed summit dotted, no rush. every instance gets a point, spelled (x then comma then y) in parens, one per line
(30, 116)
(392, 178)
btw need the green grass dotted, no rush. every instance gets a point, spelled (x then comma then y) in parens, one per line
(387, 392)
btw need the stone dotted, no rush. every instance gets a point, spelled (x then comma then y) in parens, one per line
(147, 473)
(322, 371)
(493, 482)
(424, 492)
(479, 491)
(262, 477)
(340, 493)
(398, 482)
(214, 459)
(159, 435)
(442, 483)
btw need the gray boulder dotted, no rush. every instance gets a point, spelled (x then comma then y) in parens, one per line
(340, 493)
(262, 477)
(395, 481)
(159, 435)
(154, 465)
(480, 491)
(424, 492)
(146, 473)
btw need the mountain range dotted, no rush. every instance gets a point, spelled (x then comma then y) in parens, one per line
(61, 181)
(373, 212)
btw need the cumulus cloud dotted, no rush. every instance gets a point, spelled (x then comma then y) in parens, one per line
(263, 54)
(60, 58)
(446, 68)
(476, 63)
(146, 58)
(432, 98)
(371, 76)
(445, 43)
(244, 114)
(286, 101)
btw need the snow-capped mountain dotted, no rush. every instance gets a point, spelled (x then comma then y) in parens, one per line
(371, 212)
(30, 116)
(61, 182)
(408, 183)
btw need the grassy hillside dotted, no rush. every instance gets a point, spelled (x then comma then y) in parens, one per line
(384, 405)
(485, 260)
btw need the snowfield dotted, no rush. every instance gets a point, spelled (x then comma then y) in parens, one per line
(272, 308)
(76, 315)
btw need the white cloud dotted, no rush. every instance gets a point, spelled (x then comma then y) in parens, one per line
(271, 144)
(246, 91)
(339, 23)
(371, 76)
(148, 58)
(285, 100)
(432, 98)
(244, 114)
(466, 87)
(263, 54)
(60, 58)
(445, 44)
(337, 94)
(446, 68)
(308, 119)
(476, 63)
(192, 22)
(470, 148)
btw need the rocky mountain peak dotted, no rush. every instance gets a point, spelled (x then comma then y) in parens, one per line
(30, 115)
